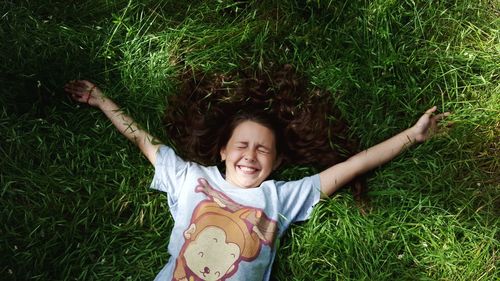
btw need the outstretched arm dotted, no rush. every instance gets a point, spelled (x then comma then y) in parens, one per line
(86, 92)
(340, 174)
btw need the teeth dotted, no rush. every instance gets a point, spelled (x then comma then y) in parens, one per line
(247, 169)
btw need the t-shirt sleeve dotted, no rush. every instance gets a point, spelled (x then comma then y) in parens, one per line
(297, 198)
(169, 170)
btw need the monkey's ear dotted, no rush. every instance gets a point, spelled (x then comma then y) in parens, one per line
(190, 231)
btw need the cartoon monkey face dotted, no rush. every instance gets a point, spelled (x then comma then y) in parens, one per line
(209, 256)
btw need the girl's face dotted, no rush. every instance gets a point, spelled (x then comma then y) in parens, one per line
(250, 155)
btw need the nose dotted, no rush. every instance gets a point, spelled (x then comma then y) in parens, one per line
(250, 155)
(206, 270)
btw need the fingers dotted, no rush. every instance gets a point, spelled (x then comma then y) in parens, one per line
(436, 117)
(431, 110)
(75, 87)
(78, 86)
(80, 90)
(440, 116)
(77, 98)
(82, 83)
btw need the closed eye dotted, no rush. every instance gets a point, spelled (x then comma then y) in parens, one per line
(241, 145)
(263, 150)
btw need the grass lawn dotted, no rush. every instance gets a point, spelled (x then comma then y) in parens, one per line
(75, 202)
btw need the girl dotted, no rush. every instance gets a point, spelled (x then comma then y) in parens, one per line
(227, 223)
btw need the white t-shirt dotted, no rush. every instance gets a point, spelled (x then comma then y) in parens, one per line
(223, 232)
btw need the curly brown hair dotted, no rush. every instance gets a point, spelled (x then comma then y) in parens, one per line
(309, 130)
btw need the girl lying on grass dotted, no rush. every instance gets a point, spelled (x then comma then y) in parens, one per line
(227, 223)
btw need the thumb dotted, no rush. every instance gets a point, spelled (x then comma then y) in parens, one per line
(431, 110)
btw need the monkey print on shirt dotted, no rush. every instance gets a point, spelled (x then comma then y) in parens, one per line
(221, 234)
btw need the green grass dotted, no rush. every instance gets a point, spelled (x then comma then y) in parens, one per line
(74, 193)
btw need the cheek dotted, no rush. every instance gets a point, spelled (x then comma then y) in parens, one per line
(268, 161)
(233, 155)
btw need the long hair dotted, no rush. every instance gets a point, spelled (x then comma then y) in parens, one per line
(309, 129)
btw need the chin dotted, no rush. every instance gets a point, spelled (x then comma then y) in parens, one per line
(249, 184)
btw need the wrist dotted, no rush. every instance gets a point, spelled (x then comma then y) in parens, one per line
(411, 135)
(106, 104)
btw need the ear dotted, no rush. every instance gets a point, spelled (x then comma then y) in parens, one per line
(223, 153)
(277, 162)
(190, 231)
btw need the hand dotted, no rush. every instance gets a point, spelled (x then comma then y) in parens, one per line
(85, 92)
(426, 126)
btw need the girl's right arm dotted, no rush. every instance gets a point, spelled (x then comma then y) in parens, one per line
(86, 92)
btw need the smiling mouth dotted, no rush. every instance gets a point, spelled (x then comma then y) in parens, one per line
(246, 169)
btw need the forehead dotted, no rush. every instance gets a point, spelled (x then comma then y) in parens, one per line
(253, 131)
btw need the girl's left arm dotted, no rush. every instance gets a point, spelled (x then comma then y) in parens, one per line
(340, 174)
